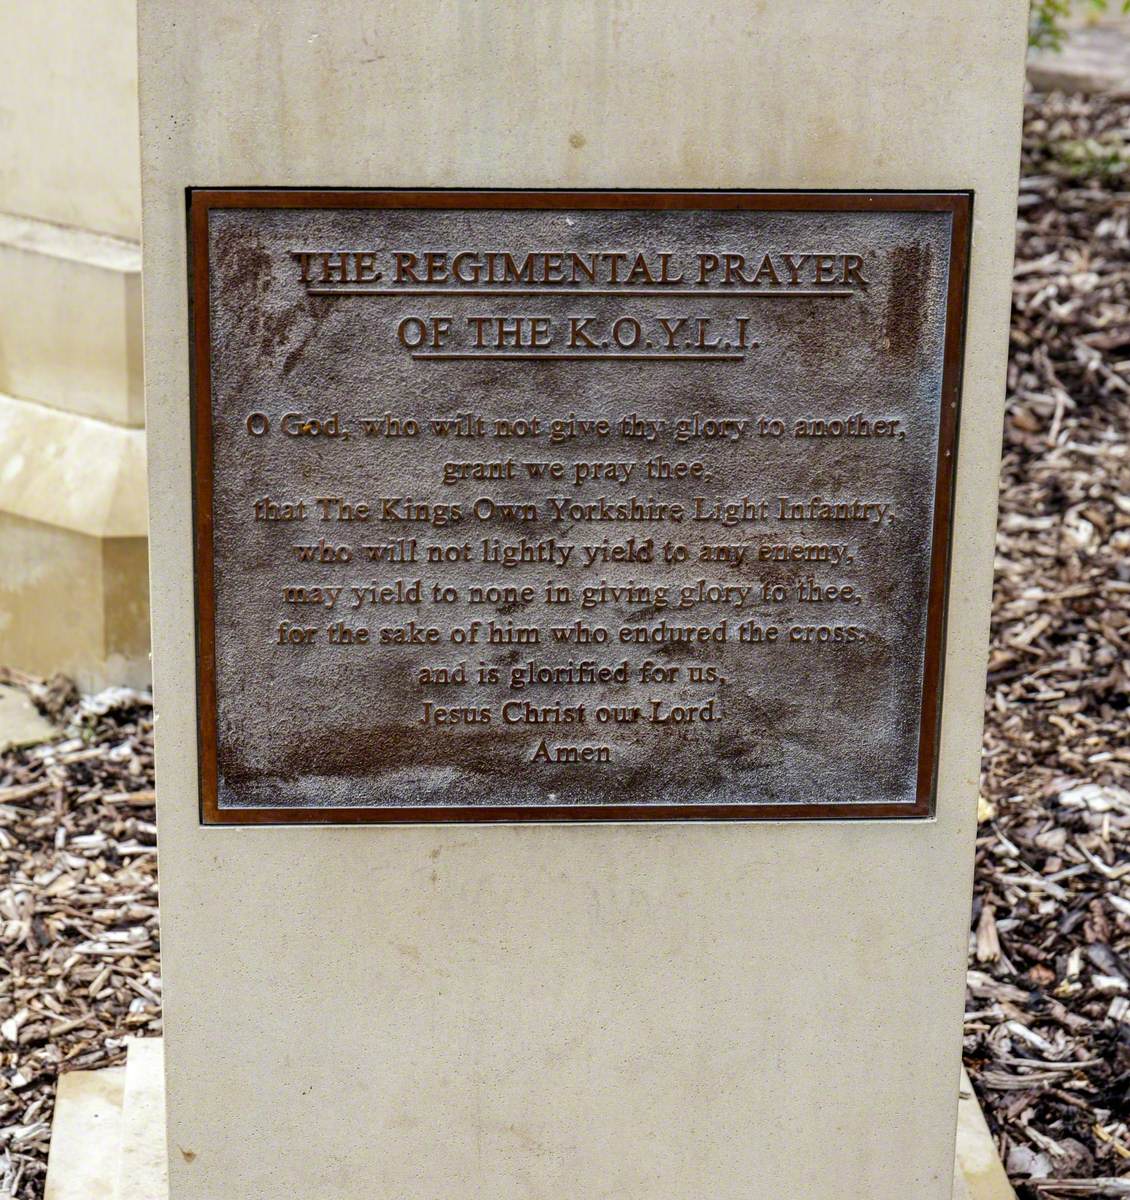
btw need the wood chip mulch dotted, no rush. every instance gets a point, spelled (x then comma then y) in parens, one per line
(1047, 1026)
(79, 953)
(1048, 1013)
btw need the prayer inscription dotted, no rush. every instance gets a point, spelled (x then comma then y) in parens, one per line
(572, 505)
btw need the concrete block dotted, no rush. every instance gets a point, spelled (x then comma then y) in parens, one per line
(70, 320)
(74, 603)
(68, 113)
(71, 471)
(73, 562)
(1095, 58)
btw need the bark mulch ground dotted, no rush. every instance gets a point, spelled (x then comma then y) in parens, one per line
(79, 955)
(1048, 1014)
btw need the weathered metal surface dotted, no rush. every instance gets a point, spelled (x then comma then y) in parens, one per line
(572, 505)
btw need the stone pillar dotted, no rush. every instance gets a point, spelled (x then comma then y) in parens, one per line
(656, 1010)
(73, 564)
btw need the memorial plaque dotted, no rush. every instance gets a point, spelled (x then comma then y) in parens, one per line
(562, 505)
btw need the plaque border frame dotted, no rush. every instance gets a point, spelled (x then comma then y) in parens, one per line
(200, 201)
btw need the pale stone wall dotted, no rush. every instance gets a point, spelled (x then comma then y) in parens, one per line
(73, 563)
(68, 114)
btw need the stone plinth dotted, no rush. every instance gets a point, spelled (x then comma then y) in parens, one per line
(736, 1010)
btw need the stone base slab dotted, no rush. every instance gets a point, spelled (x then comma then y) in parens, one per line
(85, 1135)
(977, 1165)
(108, 1141)
(108, 1135)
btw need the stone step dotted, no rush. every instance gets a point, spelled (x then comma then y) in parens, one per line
(108, 1133)
(71, 471)
(85, 1135)
(70, 320)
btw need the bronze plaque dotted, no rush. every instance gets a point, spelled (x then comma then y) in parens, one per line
(572, 505)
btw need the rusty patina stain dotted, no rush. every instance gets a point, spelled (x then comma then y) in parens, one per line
(911, 269)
